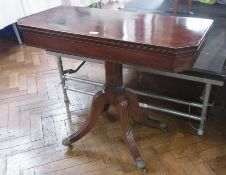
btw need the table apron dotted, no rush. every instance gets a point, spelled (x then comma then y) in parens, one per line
(109, 53)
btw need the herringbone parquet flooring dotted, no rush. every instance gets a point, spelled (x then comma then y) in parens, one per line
(34, 119)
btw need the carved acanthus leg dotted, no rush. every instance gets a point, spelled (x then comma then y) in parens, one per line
(97, 107)
(139, 116)
(123, 109)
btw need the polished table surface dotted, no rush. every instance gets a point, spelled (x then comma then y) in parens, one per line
(161, 42)
(174, 42)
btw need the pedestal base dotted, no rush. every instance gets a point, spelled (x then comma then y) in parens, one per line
(126, 103)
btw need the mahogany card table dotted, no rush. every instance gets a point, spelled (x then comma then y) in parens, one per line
(154, 41)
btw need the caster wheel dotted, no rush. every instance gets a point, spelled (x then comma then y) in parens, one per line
(200, 132)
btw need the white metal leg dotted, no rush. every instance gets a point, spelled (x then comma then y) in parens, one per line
(62, 79)
(17, 33)
(207, 91)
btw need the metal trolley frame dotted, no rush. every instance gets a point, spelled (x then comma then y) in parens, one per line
(208, 82)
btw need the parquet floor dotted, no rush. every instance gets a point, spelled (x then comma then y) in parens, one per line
(34, 119)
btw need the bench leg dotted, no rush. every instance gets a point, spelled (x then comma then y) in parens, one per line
(62, 79)
(206, 96)
(189, 5)
(175, 9)
(176, 4)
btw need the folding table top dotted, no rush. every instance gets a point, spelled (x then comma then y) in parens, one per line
(157, 41)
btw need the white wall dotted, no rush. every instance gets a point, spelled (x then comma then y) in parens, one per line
(12, 10)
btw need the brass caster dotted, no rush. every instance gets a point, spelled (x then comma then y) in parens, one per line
(164, 127)
(141, 165)
(67, 142)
